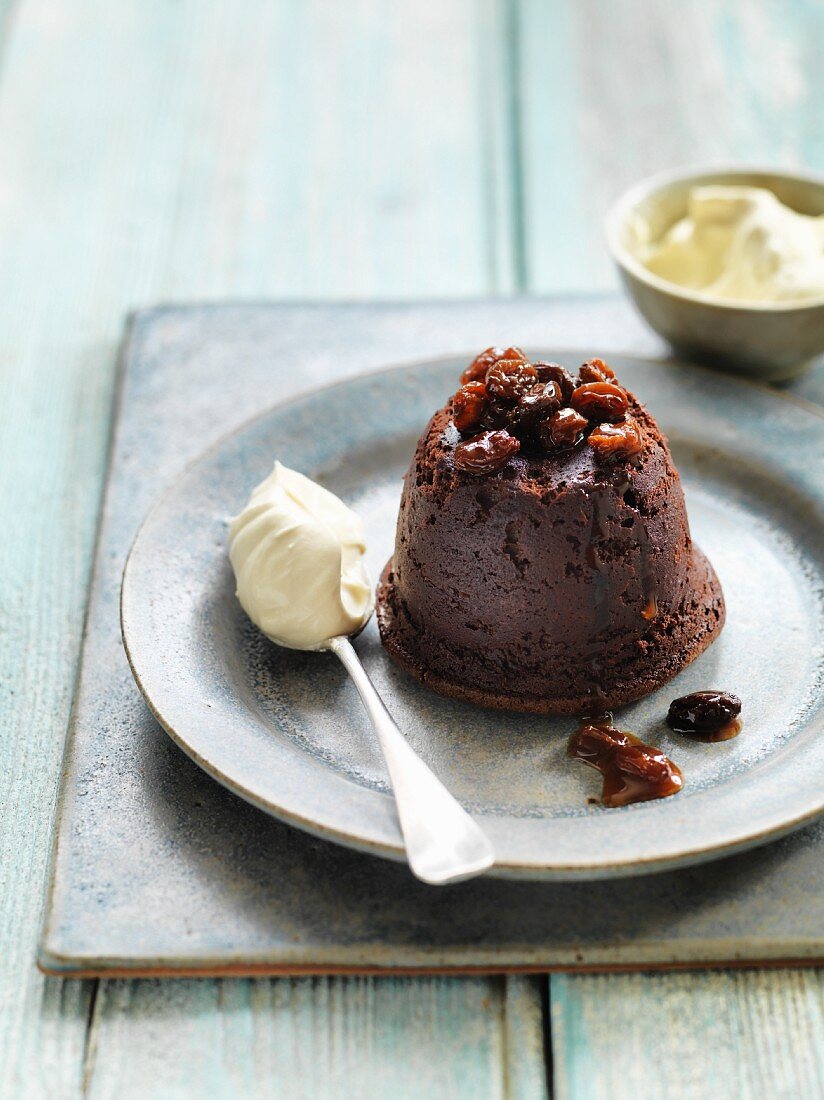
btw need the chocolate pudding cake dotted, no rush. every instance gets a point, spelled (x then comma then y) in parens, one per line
(543, 559)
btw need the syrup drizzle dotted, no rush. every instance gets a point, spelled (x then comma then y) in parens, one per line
(633, 771)
(723, 733)
(646, 575)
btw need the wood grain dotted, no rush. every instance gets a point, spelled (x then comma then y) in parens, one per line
(749, 1034)
(611, 93)
(206, 149)
(195, 150)
(633, 88)
(319, 1040)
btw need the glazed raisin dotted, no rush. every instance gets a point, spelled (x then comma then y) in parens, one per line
(486, 453)
(704, 713)
(476, 371)
(599, 401)
(554, 372)
(536, 405)
(644, 762)
(510, 379)
(468, 406)
(613, 442)
(632, 771)
(596, 370)
(514, 353)
(544, 398)
(564, 429)
(496, 415)
(594, 743)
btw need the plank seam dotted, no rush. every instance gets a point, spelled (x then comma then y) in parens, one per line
(516, 145)
(90, 1038)
(546, 1021)
(8, 15)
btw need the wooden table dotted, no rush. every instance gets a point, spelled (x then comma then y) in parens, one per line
(192, 149)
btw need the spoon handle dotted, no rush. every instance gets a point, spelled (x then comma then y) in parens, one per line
(443, 843)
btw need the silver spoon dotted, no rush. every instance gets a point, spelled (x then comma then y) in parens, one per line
(443, 843)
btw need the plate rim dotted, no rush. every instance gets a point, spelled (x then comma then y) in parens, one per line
(357, 839)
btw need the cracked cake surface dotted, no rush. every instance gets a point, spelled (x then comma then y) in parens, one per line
(545, 572)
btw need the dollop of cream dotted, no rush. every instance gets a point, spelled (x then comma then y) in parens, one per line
(297, 552)
(739, 244)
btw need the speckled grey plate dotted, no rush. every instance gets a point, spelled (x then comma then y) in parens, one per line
(286, 731)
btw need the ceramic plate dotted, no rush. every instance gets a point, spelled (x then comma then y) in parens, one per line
(286, 730)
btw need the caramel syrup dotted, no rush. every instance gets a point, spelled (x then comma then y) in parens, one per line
(650, 608)
(723, 733)
(633, 771)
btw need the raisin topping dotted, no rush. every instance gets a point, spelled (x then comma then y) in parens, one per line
(543, 399)
(599, 401)
(540, 407)
(496, 415)
(510, 379)
(476, 371)
(554, 372)
(612, 442)
(596, 370)
(564, 429)
(536, 405)
(514, 353)
(486, 453)
(468, 406)
(632, 771)
(706, 715)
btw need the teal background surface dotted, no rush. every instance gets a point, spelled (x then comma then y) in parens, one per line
(204, 149)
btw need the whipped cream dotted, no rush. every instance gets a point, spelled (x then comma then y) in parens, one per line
(741, 244)
(297, 552)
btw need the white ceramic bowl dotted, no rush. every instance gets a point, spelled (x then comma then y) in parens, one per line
(770, 341)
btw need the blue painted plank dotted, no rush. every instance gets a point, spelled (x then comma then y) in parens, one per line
(747, 1034)
(611, 93)
(319, 1039)
(204, 150)
(626, 89)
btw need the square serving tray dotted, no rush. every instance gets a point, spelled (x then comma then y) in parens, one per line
(157, 870)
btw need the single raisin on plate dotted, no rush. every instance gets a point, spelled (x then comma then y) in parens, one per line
(596, 370)
(564, 429)
(632, 771)
(510, 379)
(644, 762)
(705, 715)
(486, 453)
(640, 773)
(613, 442)
(554, 372)
(468, 406)
(593, 743)
(599, 401)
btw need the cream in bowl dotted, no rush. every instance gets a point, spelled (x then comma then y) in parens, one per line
(740, 244)
(728, 266)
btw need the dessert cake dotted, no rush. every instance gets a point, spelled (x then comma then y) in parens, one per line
(543, 559)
